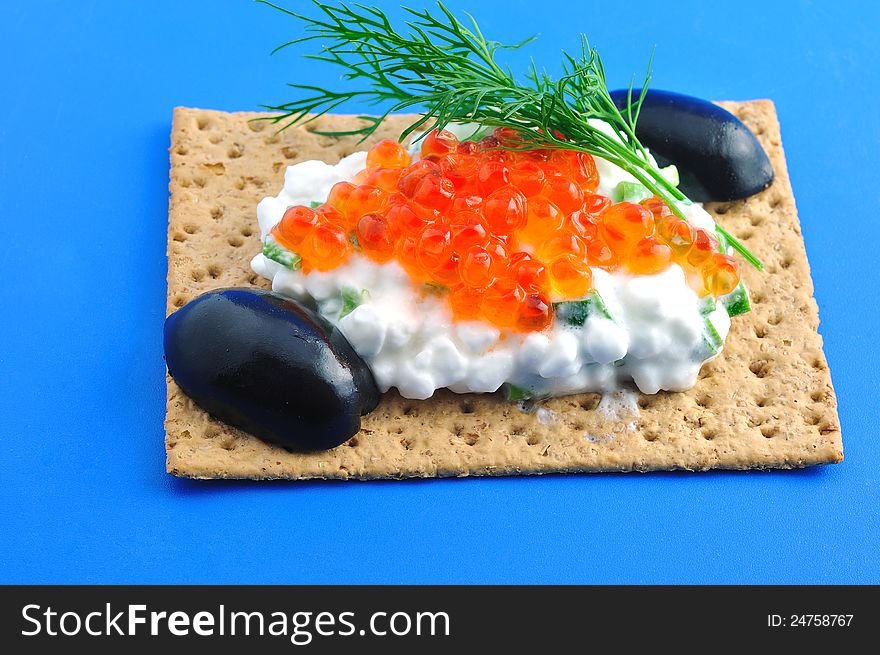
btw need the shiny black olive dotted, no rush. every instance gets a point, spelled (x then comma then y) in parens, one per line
(718, 158)
(270, 366)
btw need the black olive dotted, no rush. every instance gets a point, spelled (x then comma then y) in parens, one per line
(718, 158)
(269, 366)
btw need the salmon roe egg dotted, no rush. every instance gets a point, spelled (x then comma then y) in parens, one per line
(489, 143)
(331, 215)
(564, 193)
(384, 178)
(492, 175)
(501, 302)
(326, 247)
(677, 233)
(407, 254)
(600, 255)
(528, 177)
(583, 224)
(529, 273)
(437, 143)
(583, 170)
(650, 256)
(623, 225)
(395, 199)
(702, 247)
(404, 220)
(563, 243)
(505, 210)
(434, 247)
(432, 196)
(477, 267)
(387, 154)
(543, 220)
(534, 313)
(595, 204)
(461, 169)
(361, 177)
(466, 202)
(720, 274)
(538, 155)
(339, 195)
(294, 226)
(376, 237)
(364, 199)
(446, 273)
(468, 229)
(413, 175)
(499, 248)
(507, 137)
(471, 148)
(570, 276)
(657, 207)
(466, 301)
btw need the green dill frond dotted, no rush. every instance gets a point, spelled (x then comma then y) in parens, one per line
(445, 70)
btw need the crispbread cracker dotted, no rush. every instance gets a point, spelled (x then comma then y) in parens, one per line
(766, 402)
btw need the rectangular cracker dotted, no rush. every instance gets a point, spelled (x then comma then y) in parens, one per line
(766, 402)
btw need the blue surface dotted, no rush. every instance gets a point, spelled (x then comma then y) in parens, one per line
(84, 121)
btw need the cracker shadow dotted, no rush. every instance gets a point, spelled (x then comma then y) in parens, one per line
(188, 487)
(191, 488)
(136, 371)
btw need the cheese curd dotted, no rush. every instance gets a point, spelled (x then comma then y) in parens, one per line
(406, 334)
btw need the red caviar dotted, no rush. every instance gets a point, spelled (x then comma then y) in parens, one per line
(509, 232)
(543, 220)
(650, 256)
(376, 237)
(529, 273)
(502, 302)
(325, 247)
(477, 267)
(720, 274)
(387, 154)
(623, 225)
(295, 226)
(570, 276)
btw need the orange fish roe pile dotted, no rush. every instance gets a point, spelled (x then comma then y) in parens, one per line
(507, 231)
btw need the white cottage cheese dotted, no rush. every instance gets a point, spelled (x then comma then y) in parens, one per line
(409, 339)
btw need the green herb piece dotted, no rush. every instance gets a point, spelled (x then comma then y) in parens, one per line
(515, 393)
(737, 301)
(576, 312)
(671, 173)
(353, 239)
(434, 288)
(448, 70)
(314, 204)
(277, 253)
(630, 192)
(707, 305)
(351, 298)
(723, 241)
(740, 248)
(518, 394)
(711, 339)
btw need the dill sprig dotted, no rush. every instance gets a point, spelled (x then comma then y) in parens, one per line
(447, 71)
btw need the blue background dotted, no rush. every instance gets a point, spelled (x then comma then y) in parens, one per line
(85, 111)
